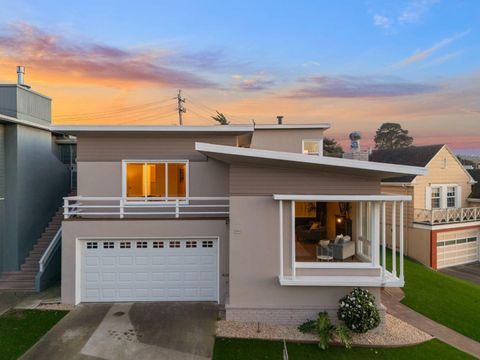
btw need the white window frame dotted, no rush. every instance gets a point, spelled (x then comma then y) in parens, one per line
(369, 263)
(440, 191)
(455, 197)
(443, 196)
(166, 162)
(320, 146)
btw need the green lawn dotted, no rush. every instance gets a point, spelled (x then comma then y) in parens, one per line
(21, 329)
(239, 349)
(450, 301)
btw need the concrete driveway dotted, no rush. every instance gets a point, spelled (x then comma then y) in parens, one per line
(469, 272)
(137, 331)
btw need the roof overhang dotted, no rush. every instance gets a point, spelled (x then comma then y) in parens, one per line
(121, 129)
(11, 120)
(349, 198)
(232, 154)
(291, 126)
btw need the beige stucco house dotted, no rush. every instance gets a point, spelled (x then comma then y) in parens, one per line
(442, 226)
(250, 216)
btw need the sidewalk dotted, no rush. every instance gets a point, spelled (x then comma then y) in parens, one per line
(391, 299)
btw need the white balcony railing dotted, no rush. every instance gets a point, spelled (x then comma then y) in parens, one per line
(158, 207)
(446, 216)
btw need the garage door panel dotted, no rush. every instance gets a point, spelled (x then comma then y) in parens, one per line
(149, 270)
(451, 252)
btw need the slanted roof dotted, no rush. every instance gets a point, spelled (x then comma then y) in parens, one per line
(231, 154)
(411, 156)
(291, 126)
(102, 129)
(475, 174)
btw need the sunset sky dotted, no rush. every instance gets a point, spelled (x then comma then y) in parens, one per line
(354, 64)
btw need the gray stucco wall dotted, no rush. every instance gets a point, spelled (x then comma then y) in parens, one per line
(2, 188)
(36, 181)
(25, 104)
(74, 229)
(206, 178)
(255, 292)
(289, 140)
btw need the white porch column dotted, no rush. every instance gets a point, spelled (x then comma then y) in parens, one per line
(280, 222)
(293, 237)
(375, 244)
(401, 240)
(394, 238)
(384, 237)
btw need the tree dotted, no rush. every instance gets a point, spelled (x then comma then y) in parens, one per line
(221, 119)
(332, 148)
(392, 136)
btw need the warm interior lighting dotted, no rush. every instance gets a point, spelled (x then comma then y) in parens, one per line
(151, 179)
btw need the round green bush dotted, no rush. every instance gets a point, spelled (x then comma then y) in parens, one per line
(358, 311)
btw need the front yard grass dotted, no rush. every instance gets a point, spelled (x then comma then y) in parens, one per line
(449, 301)
(240, 349)
(21, 329)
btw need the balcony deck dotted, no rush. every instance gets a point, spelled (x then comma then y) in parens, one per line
(151, 208)
(446, 216)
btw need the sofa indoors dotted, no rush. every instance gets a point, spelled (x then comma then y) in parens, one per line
(342, 248)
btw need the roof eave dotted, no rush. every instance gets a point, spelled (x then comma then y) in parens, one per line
(308, 159)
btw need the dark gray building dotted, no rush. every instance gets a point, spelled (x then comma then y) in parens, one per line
(33, 180)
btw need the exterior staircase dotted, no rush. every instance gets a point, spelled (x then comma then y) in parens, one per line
(24, 280)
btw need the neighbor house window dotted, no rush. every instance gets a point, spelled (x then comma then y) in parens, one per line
(436, 196)
(451, 196)
(312, 147)
(157, 179)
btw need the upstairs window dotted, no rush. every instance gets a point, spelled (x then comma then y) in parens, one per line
(436, 197)
(312, 147)
(156, 179)
(451, 196)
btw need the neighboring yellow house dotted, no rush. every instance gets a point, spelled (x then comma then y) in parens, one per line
(442, 226)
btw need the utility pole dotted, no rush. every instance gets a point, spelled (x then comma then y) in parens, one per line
(181, 109)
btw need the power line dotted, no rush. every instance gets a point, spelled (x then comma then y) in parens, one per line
(116, 110)
(123, 113)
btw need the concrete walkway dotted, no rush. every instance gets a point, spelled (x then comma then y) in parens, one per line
(391, 299)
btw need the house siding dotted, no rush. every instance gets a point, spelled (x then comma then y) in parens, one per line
(114, 147)
(2, 189)
(454, 173)
(255, 292)
(77, 229)
(36, 180)
(256, 180)
(206, 178)
(288, 140)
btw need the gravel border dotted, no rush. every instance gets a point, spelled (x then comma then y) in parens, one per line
(396, 333)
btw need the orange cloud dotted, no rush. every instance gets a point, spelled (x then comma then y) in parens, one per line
(61, 60)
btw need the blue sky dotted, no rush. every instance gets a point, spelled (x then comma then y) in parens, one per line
(352, 63)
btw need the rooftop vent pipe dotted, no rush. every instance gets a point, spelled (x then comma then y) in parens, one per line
(21, 76)
(279, 119)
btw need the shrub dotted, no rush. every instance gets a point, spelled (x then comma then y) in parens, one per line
(358, 311)
(325, 330)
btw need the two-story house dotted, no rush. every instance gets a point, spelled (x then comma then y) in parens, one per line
(33, 182)
(442, 225)
(250, 216)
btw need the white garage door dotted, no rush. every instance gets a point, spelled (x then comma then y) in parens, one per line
(149, 270)
(459, 251)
